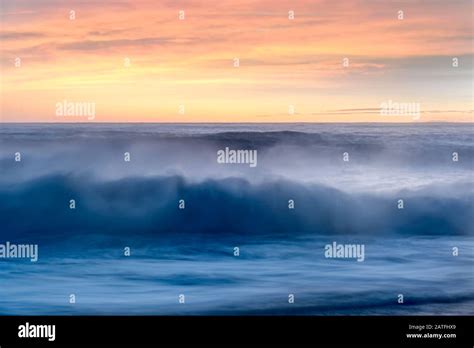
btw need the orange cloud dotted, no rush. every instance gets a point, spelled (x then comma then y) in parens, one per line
(137, 61)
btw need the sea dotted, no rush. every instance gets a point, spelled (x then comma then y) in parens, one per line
(142, 219)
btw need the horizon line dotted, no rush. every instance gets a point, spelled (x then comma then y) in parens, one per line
(224, 123)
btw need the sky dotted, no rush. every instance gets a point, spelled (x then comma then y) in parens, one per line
(236, 61)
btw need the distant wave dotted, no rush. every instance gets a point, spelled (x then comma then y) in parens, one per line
(382, 158)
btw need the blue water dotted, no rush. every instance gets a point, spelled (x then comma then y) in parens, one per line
(135, 204)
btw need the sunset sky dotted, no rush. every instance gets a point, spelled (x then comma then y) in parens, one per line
(190, 62)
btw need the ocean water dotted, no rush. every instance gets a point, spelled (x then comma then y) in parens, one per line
(190, 251)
